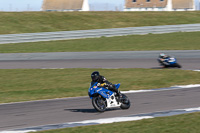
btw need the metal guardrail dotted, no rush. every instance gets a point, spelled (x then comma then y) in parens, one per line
(78, 34)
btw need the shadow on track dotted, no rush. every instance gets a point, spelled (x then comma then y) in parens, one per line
(157, 68)
(82, 110)
(89, 110)
(164, 68)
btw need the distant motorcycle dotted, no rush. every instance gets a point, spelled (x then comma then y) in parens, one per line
(169, 62)
(103, 98)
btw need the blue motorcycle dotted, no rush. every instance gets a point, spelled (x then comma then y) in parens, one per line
(103, 98)
(169, 62)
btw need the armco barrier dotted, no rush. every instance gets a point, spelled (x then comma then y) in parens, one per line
(78, 34)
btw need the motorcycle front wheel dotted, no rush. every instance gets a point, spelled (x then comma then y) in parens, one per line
(125, 102)
(99, 104)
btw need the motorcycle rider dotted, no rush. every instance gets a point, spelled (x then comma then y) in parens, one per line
(96, 77)
(162, 57)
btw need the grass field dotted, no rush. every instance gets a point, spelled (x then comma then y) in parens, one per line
(186, 123)
(26, 22)
(170, 41)
(34, 84)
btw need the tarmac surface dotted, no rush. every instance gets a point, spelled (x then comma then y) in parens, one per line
(37, 113)
(189, 59)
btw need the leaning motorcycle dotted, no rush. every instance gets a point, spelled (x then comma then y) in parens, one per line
(169, 62)
(103, 98)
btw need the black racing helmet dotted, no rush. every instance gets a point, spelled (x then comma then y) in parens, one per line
(95, 75)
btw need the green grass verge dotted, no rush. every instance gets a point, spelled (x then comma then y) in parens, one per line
(186, 123)
(170, 41)
(26, 22)
(34, 84)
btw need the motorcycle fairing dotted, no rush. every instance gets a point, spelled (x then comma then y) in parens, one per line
(168, 61)
(105, 93)
(172, 61)
(112, 102)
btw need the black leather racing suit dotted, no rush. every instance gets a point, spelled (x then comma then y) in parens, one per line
(109, 85)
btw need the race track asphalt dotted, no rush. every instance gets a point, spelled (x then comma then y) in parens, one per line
(189, 59)
(35, 113)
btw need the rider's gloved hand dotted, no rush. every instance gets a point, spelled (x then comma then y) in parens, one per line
(106, 85)
(111, 86)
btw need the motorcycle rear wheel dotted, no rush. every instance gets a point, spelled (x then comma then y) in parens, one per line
(178, 65)
(99, 104)
(125, 102)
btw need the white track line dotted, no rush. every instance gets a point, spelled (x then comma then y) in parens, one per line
(196, 70)
(164, 89)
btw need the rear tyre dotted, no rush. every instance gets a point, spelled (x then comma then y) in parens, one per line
(99, 104)
(178, 65)
(125, 102)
